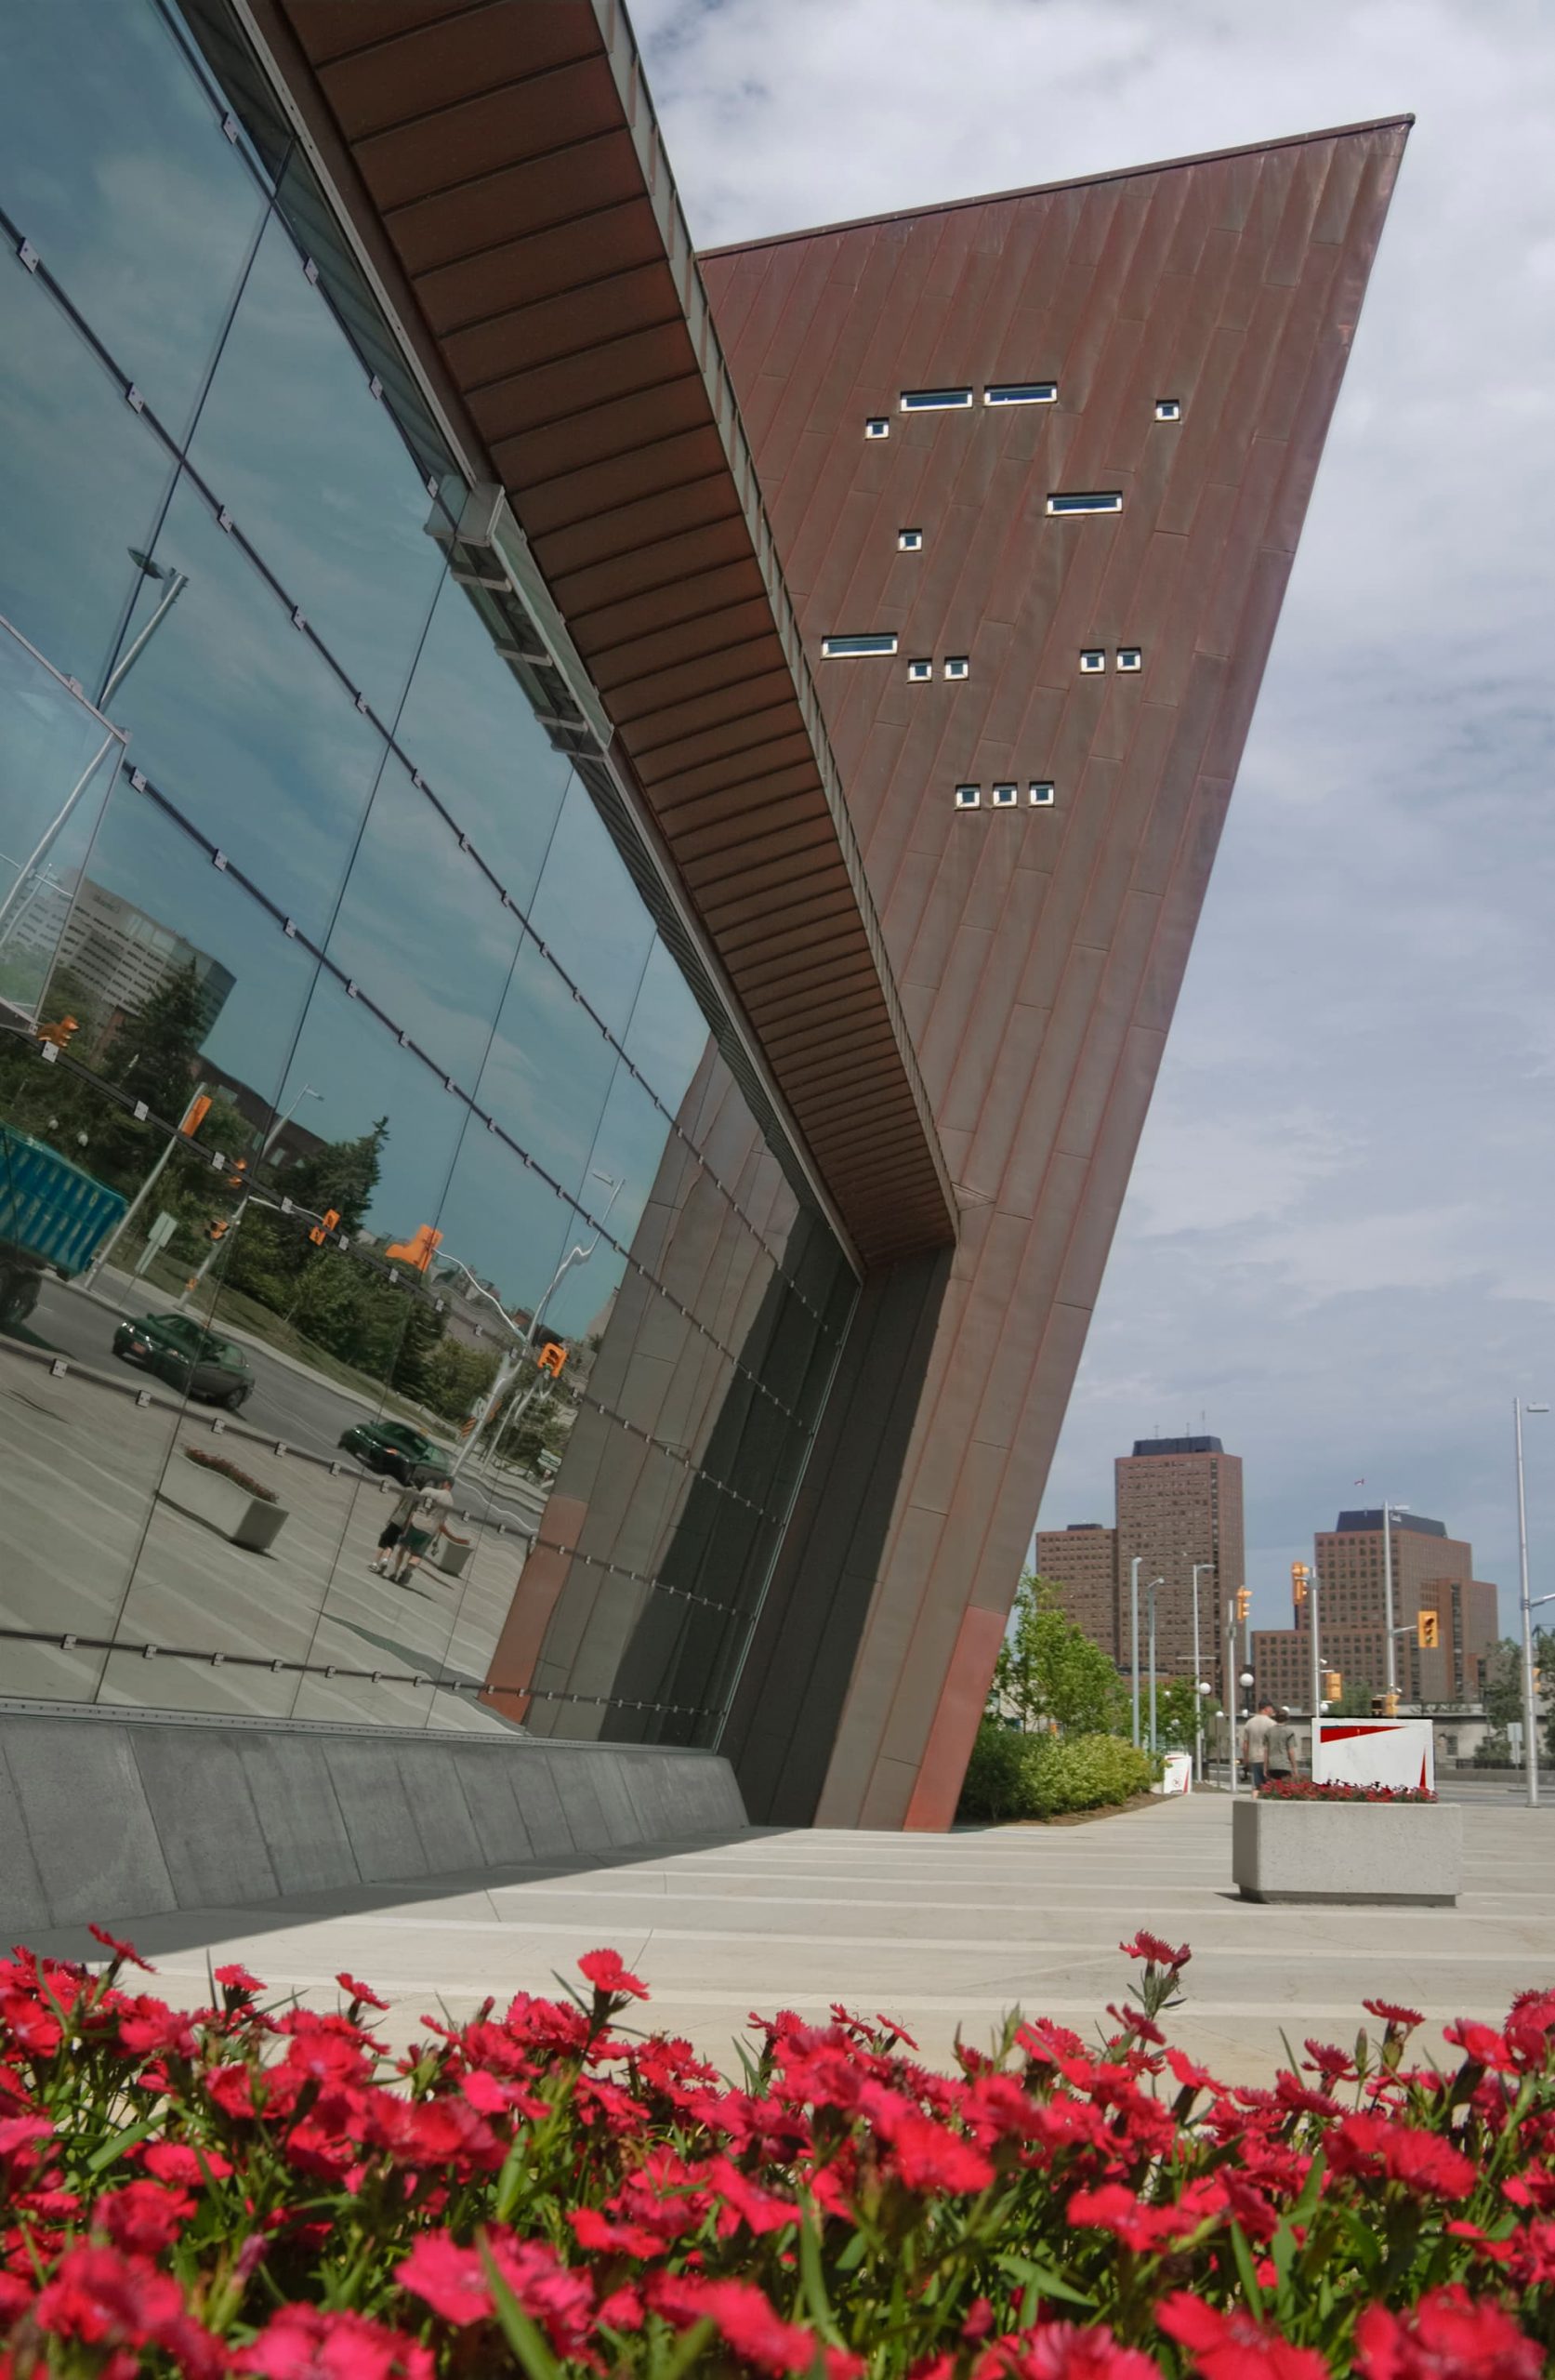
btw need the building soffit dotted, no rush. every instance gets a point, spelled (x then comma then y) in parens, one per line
(507, 183)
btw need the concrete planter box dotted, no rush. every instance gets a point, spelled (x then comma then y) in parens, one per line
(1376, 1853)
(242, 1519)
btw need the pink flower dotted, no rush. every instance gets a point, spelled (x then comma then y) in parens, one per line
(743, 2318)
(1448, 2337)
(175, 2161)
(1064, 2352)
(1391, 2013)
(1159, 1954)
(106, 2299)
(1232, 2346)
(604, 1971)
(305, 2342)
(1112, 2208)
(238, 1980)
(453, 2281)
(931, 2157)
(142, 2217)
(122, 1951)
(360, 1994)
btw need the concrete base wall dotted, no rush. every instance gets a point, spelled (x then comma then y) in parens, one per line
(1400, 1853)
(124, 1815)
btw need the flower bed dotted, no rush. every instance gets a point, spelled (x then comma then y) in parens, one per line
(254, 2189)
(225, 1470)
(1302, 1789)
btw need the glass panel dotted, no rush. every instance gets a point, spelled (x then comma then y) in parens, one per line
(668, 1035)
(470, 730)
(236, 717)
(590, 912)
(82, 480)
(313, 470)
(57, 763)
(421, 930)
(548, 1072)
(113, 164)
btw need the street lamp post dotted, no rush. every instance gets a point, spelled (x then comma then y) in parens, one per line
(1199, 1688)
(1317, 1657)
(1153, 1584)
(276, 1129)
(1530, 1732)
(1134, 1627)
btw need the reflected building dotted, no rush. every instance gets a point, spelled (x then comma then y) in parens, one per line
(617, 741)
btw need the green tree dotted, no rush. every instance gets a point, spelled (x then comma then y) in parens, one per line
(1048, 1670)
(152, 1054)
(1175, 1702)
(342, 1175)
(1356, 1700)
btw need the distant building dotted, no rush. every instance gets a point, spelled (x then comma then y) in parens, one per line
(1179, 1504)
(120, 954)
(1431, 1572)
(1081, 1561)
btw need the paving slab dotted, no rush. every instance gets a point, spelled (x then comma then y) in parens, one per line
(941, 1932)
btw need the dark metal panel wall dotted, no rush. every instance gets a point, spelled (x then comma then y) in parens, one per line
(1039, 951)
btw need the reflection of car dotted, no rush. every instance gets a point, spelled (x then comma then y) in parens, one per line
(395, 1448)
(176, 1348)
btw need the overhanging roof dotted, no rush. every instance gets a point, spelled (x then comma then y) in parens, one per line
(505, 178)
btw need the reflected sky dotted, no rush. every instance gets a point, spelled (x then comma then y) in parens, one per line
(588, 911)
(113, 164)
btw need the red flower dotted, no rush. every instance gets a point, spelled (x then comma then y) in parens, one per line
(1234, 2347)
(604, 1971)
(1151, 1947)
(238, 1980)
(142, 2217)
(149, 2028)
(742, 2317)
(452, 2279)
(305, 2342)
(454, 2284)
(1448, 2337)
(602, 2232)
(232, 2087)
(931, 2157)
(1064, 2352)
(186, 2168)
(1112, 2208)
(360, 1994)
(1393, 2015)
(122, 1951)
(1422, 2160)
(106, 2299)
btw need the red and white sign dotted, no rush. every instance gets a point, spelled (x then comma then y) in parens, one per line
(1375, 1752)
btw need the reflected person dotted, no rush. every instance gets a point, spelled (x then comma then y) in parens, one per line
(427, 1521)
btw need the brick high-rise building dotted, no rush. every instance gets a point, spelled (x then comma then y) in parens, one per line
(1082, 1559)
(1433, 1572)
(1180, 1502)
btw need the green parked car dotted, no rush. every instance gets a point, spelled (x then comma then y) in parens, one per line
(186, 1356)
(396, 1449)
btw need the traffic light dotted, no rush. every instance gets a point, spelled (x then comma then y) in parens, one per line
(195, 1114)
(1429, 1630)
(551, 1357)
(1333, 1686)
(219, 1229)
(329, 1221)
(1300, 1574)
(1244, 1604)
(61, 1032)
(418, 1251)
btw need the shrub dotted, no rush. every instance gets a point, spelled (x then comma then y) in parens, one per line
(218, 1462)
(1302, 1789)
(1013, 1775)
(263, 2191)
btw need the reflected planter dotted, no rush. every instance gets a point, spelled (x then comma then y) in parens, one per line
(253, 1522)
(1398, 1855)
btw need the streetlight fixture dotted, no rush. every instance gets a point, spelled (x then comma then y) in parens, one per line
(1134, 1628)
(276, 1129)
(1153, 1584)
(1530, 1732)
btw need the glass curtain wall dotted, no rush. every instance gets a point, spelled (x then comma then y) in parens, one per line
(360, 1135)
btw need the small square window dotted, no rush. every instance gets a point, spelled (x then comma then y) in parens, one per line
(910, 540)
(1042, 794)
(1130, 656)
(957, 666)
(877, 426)
(968, 796)
(1006, 796)
(918, 671)
(1169, 409)
(1093, 659)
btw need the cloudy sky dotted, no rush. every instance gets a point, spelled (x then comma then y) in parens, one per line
(1340, 1243)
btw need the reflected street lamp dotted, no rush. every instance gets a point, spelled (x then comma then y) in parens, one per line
(276, 1129)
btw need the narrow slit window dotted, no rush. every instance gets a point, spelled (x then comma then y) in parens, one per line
(935, 400)
(1093, 660)
(1022, 393)
(877, 426)
(918, 672)
(1042, 793)
(1090, 500)
(910, 540)
(957, 666)
(855, 648)
(968, 796)
(1130, 656)
(1006, 796)
(1169, 409)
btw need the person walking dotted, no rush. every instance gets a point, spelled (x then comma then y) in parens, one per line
(394, 1528)
(1280, 1755)
(1255, 1744)
(428, 1521)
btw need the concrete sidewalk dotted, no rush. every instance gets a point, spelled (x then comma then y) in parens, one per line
(936, 1930)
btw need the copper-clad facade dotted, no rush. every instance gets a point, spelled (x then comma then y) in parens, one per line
(959, 1008)
(1193, 323)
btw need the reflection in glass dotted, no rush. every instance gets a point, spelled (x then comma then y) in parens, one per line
(238, 720)
(590, 914)
(667, 1037)
(82, 480)
(57, 763)
(548, 1071)
(113, 164)
(470, 730)
(313, 470)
